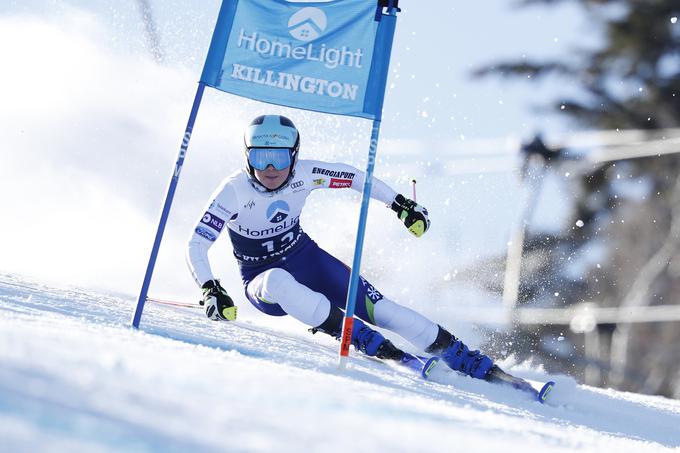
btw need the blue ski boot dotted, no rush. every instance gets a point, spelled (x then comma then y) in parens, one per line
(364, 339)
(372, 343)
(458, 357)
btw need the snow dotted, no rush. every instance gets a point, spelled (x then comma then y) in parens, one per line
(75, 377)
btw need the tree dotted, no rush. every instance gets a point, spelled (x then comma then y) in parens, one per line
(628, 208)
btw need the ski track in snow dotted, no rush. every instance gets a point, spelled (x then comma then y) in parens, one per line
(75, 377)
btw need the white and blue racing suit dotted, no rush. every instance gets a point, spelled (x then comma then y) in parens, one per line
(283, 270)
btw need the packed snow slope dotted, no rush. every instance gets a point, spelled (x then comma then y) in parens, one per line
(75, 377)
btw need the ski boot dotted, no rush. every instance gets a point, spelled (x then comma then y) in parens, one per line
(365, 339)
(458, 356)
(373, 343)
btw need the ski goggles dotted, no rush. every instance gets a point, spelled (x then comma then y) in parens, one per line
(261, 158)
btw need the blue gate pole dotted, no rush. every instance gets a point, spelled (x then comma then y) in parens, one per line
(348, 322)
(356, 262)
(166, 207)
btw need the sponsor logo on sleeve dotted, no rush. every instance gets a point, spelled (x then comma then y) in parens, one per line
(213, 221)
(340, 183)
(219, 207)
(206, 233)
(319, 182)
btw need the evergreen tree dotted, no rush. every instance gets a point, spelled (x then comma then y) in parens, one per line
(628, 208)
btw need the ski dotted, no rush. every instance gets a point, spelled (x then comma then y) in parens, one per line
(498, 376)
(421, 365)
(413, 364)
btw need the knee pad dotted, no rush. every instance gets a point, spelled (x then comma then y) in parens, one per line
(278, 286)
(276, 283)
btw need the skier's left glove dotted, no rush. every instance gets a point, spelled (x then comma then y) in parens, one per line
(218, 304)
(412, 214)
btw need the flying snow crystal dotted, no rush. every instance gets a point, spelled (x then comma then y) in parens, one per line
(557, 294)
(579, 223)
(674, 19)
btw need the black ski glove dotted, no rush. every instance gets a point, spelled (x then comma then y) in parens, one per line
(218, 304)
(412, 214)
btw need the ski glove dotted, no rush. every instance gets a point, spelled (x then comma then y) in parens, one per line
(412, 214)
(218, 304)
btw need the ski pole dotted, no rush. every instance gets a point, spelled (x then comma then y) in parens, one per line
(413, 187)
(173, 303)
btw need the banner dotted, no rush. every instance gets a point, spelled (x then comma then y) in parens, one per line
(329, 57)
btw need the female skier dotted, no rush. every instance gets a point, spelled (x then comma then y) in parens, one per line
(286, 272)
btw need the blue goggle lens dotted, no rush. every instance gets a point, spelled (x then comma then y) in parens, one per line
(261, 158)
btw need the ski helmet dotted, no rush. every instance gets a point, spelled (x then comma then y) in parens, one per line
(271, 140)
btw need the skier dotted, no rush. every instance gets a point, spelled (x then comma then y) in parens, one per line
(286, 272)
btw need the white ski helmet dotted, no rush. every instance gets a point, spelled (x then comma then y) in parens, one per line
(265, 139)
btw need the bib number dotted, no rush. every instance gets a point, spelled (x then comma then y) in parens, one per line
(285, 239)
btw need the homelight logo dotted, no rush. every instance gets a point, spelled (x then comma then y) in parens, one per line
(316, 51)
(307, 24)
(278, 211)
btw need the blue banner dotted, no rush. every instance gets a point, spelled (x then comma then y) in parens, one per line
(329, 57)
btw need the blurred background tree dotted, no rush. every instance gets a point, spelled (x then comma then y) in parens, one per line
(621, 247)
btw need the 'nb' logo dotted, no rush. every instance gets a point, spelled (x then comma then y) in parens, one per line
(307, 24)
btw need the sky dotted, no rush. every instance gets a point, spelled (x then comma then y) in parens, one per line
(92, 125)
(436, 47)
